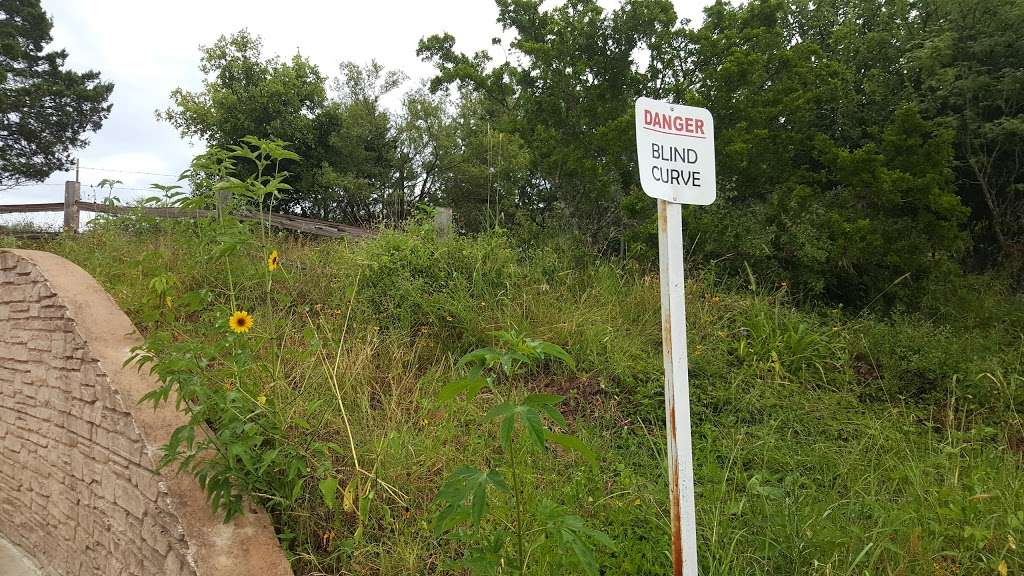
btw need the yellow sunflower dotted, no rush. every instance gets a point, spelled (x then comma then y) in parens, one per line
(240, 321)
(273, 261)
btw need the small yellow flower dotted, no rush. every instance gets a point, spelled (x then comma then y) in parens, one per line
(1011, 542)
(240, 322)
(1003, 570)
(273, 261)
(229, 386)
(261, 400)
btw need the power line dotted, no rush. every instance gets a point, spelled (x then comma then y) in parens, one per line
(127, 171)
(116, 187)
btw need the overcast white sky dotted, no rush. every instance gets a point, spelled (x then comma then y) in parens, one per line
(148, 48)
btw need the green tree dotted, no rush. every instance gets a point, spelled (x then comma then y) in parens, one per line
(566, 91)
(45, 109)
(830, 177)
(458, 158)
(811, 101)
(347, 139)
(358, 174)
(247, 95)
(969, 68)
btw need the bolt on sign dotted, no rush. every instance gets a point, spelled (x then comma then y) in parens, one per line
(676, 149)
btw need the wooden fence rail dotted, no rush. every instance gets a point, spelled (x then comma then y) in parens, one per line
(26, 208)
(72, 205)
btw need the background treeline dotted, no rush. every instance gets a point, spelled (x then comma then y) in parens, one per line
(865, 147)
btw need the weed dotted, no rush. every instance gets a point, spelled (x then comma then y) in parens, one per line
(535, 526)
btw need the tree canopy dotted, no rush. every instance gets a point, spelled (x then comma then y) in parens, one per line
(863, 147)
(856, 140)
(45, 109)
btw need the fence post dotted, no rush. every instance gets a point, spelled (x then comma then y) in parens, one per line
(443, 222)
(222, 199)
(72, 194)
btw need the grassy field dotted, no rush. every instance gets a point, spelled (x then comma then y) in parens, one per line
(827, 441)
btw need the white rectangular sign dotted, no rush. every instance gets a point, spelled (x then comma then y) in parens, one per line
(676, 147)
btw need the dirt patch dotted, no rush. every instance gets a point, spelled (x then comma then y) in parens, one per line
(864, 369)
(584, 396)
(1015, 441)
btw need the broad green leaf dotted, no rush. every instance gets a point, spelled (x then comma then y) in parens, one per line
(478, 505)
(485, 356)
(573, 444)
(534, 425)
(466, 483)
(500, 411)
(553, 350)
(476, 383)
(505, 432)
(494, 478)
(364, 507)
(329, 489)
(538, 400)
(585, 554)
(471, 384)
(452, 389)
(600, 537)
(555, 416)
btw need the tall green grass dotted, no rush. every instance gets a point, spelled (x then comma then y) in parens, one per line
(826, 441)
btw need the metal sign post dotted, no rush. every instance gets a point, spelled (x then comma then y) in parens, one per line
(677, 389)
(675, 146)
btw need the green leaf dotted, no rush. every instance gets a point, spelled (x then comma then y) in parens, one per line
(600, 537)
(538, 400)
(553, 413)
(500, 411)
(494, 478)
(483, 356)
(534, 425)
(585, 555)
(476, 383)
(573, 444)
(505, 432)
(329, 490)
(478, 505)
(553, 350)
(452, 389)
(466, 482)
(348, 496)
(364, 507)
(471, 384)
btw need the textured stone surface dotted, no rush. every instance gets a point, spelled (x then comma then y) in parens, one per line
(14, 563)
(77, 486)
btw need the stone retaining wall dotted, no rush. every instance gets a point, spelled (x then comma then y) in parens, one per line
(77, 488)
